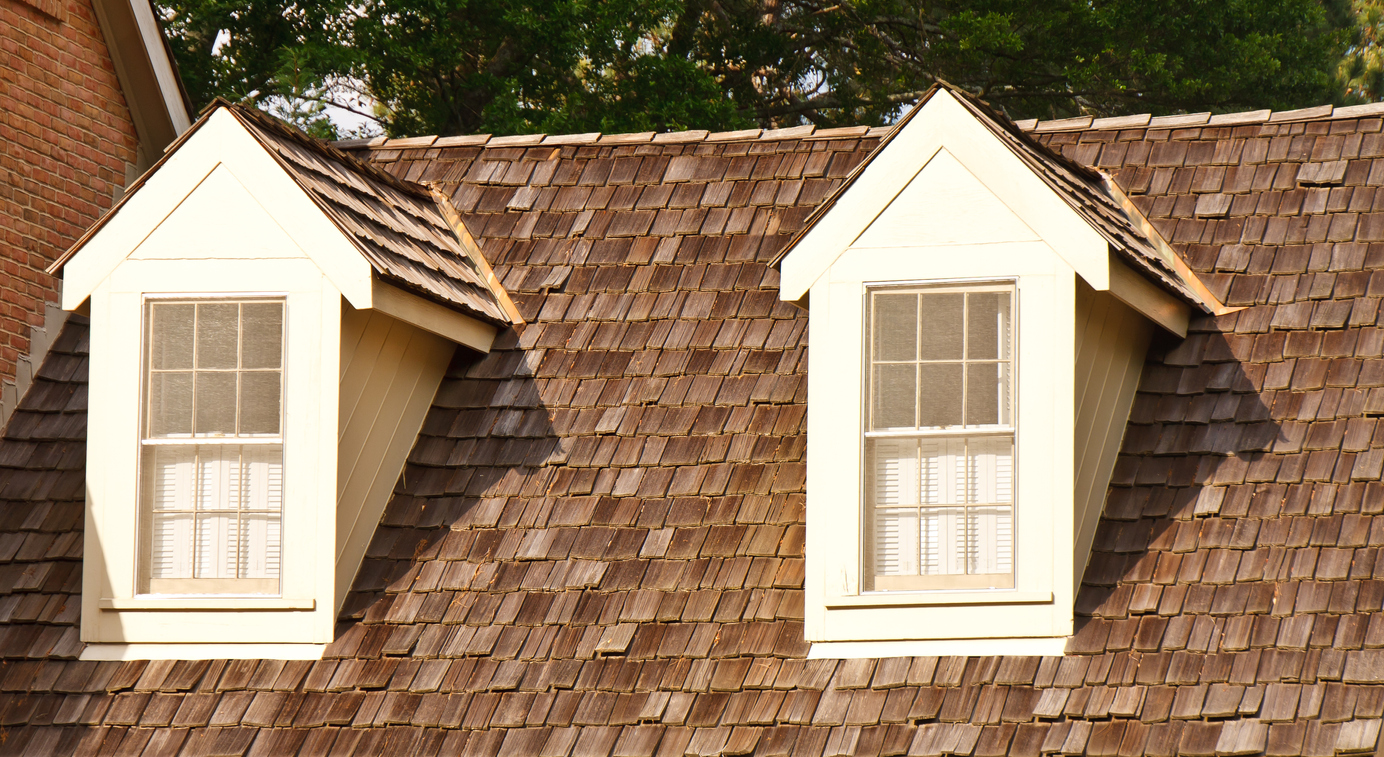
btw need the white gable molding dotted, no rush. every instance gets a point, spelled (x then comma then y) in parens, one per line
(220, 141)
(215, 162)
(943, 122)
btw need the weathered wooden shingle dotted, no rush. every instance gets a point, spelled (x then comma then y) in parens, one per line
(597, 547)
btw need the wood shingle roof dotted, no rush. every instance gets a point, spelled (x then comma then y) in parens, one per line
(597, 546)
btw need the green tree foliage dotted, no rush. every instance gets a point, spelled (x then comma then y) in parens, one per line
(1361, 72)
(1070, 57)
(513, 66)
(272, 53)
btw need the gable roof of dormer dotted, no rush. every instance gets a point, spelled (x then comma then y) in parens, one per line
(1086, 190)
(410, 236)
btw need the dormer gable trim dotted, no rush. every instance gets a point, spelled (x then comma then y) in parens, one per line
(223, 143)
(1079, 212)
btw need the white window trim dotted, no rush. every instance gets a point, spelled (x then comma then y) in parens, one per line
(1040, 604)
(923, 434)
(113, 611)
(196, 587)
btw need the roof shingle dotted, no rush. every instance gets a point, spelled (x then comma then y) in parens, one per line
(597, 546)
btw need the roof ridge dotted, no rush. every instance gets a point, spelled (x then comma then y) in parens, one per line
(1237, 118)
(325, 149)
(808, 131)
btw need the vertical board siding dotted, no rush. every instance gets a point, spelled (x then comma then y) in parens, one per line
(1111, 342)
(390, 372)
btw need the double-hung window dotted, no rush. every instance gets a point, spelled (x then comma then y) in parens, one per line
(211, 464)
(939, 438)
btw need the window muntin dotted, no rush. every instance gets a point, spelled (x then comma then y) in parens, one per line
(939, 438)
(212, 447)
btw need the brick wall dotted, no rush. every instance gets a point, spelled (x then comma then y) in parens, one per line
(65, 139)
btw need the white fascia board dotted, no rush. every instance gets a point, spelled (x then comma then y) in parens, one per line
(220, 141)
(1152, 302)
(945, 123)
(164, 73)
(433, 318)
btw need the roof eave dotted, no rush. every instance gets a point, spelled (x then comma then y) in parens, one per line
(148, 74)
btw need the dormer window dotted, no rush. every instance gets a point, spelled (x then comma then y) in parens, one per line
(242, 444)
(211, 466)
(979, 313)
(939, 442)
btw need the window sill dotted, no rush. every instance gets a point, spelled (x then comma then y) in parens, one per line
(211, 651)
(208, 603)
(940, 598)
(1039, 646)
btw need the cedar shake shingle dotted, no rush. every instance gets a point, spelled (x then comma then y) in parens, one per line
(597, 545)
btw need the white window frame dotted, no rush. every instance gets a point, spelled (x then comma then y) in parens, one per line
(147, 584)
(1033, 617)
(941, 582)
(300, 618)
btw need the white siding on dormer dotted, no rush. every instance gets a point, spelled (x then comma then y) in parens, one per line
(219, 219)
(945, 204)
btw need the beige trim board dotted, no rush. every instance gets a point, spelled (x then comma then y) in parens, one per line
(431, 317)
(203, 652)
(935, 598)
(473, 251)
(1043, 646)
(236, 604)
(1154, 303)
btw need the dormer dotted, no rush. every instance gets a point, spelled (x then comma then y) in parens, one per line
(270, 321)
(979, 313)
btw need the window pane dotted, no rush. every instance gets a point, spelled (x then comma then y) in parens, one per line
(263, 334)
(896, 542)
(942, 541)
(990, 531)
(171, 547)
(259, 402)
(894, 395)
(170, 336)
(259, 545)
(988, 326)
(169, 472)
(896, 327)
(990, 470)
(216, 545)
(940, 317)
(170, 404)
(939, 394)
(943, 471)
(216, 403)
(217, 324)
(893, 464)
(986, 388)
(218, 478)
(263, 477)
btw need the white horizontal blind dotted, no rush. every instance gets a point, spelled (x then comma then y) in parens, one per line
(942, 507)
(941, 503)
(216, 510)
(212, 462)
